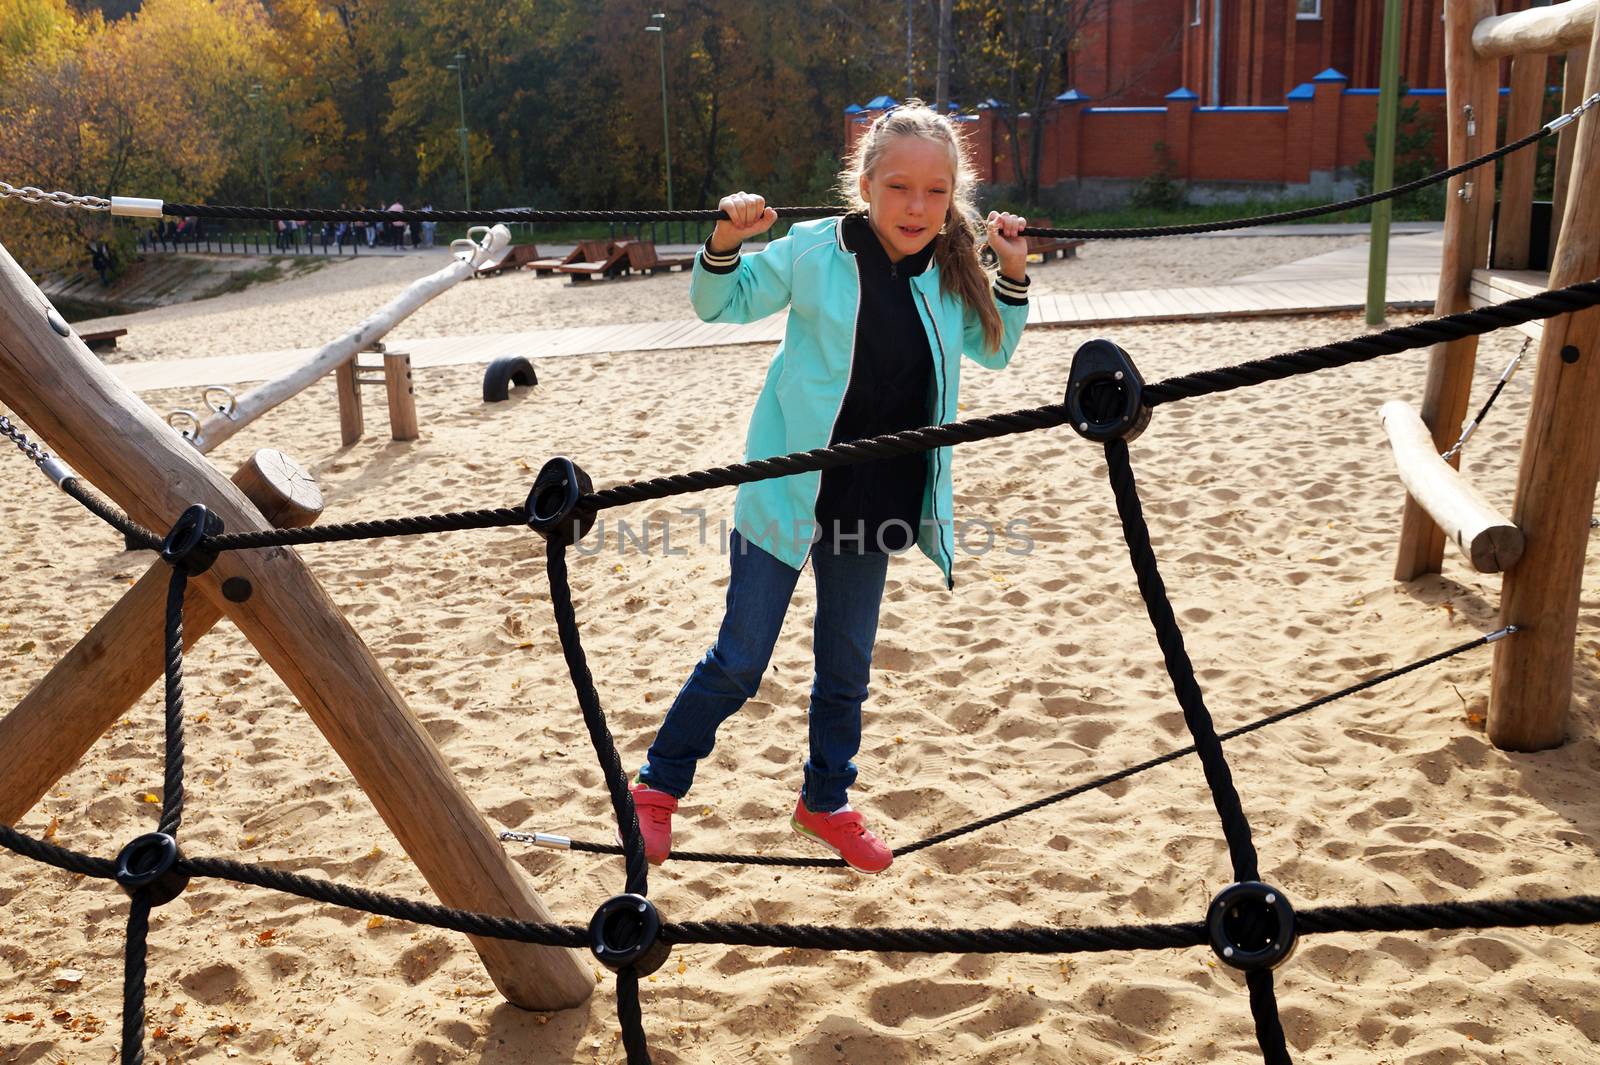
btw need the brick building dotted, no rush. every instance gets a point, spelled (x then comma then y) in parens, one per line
(1237, 98)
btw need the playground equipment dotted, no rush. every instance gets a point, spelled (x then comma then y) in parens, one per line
(126, 451)
(505, 372)
(1532, 676)
(230, 414)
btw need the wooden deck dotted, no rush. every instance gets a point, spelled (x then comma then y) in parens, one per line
(1253, 299)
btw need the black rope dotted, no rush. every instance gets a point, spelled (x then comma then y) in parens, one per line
(487, 216)
(60, 857)
(172, 789)
(914, 441)
(1060, 796)
(133, 974)
(401, 909)
(1303, 212)
(1235, 827)
(605, 749)
(136, 535)
(498, 518)
(1269, 1025)
(1576, 297)
(528, 214)
(594, 719)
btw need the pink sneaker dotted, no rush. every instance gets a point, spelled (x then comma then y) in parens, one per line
(654, 809)
(846, 835)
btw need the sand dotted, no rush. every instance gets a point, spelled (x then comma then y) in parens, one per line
(1274, 512)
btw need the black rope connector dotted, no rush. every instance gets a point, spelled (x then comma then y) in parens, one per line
(553, 504)
(625, 931)
(1105, 393)
(185, 545)
(151, 863)
(1251, 926)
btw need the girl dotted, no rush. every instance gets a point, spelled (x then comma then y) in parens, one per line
(883, 303)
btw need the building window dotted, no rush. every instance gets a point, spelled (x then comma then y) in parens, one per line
(1308, 9)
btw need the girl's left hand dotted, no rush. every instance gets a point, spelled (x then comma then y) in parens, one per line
(1009, 247)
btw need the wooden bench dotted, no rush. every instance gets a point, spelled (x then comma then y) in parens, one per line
(613, 264)
(1050, 247)
(517, 256)
(643, 258)
(587, 251)
(104, 340)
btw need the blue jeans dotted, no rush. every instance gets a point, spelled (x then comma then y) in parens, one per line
(849, 592)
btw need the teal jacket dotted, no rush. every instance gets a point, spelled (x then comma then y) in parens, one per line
(812, 272)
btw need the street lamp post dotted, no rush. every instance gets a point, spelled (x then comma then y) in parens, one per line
(658, 27)
(257, 93)
(461, 104)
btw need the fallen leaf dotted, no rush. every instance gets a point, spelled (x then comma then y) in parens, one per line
(50, 832)
(19, 1018)
(264, 936)
(68, 978)
(24, 647)
(375, 921)
(151, 797)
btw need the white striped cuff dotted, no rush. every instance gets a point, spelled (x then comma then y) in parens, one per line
(715, 259)
(1016, 290)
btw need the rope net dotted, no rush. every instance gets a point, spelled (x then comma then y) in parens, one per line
(1250, 925)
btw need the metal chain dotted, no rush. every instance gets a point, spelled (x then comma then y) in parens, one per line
(30, 194)
(34, 451)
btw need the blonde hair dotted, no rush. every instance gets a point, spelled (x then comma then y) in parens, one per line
(955, 249)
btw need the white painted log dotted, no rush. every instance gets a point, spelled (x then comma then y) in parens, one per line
(469, 256)
(1486, 538)
(1538, 30)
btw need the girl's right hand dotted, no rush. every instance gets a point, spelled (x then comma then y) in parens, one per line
(748, 214)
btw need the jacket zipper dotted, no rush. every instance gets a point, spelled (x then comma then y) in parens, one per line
(849, 375)
(939, 420)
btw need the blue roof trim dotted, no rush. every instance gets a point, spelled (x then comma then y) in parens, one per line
(1304, 91)
(1071, 96)
(1242, 110)
(1183, 94)
(1125, 110)
(881, 103)
(1426, 92)
(1362, 92)
(1330, 75)
(854, 109)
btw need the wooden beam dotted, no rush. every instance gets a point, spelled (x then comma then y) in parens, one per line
(1531, 688)
(1526, 113)
(1571, 96)
(264, 397)
(402, 396)
(108, 670)
(102, 430)
(1487, 539)
(1538, 30)
(1472, 88)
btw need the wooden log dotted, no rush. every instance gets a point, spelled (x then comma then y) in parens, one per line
(1571, 96)
(1469, 83)
(1487, 539)
(112, 667)
(352, 423)
(1515, 218)
(261, 399)
(1531, 688)
(100, 428)
(402, 396)
(1536, 31)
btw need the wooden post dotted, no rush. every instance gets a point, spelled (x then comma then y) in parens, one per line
(1490, 542)
(1469, 83)
(114, 665)
(351, 422)
(402, 396)
(1531, 687)
(102, 430)
(1526, 114)
(1571, 96)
